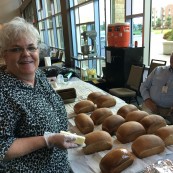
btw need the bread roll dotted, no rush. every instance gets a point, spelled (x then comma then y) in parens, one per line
(84, 123)
(129, 131)
(84, 106)
(100, 114)
(152, 123)
(136, 115)
(166, 134)
(147, 145)
(124, 110)
(93, 96)
(112, 123)
(97, 141)
(105, 101)
(116, 161)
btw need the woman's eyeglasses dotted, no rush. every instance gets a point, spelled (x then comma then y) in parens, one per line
(30, 49)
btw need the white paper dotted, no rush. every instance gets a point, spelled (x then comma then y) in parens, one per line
(82, 163)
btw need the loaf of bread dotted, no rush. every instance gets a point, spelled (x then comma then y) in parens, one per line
(100, 114)
(84, 123)
(136, 115)
(93, 96)
(84, 106)
(116, 160)
(97, 141)
(124, 110)
(111, 124)
(129, 131)
(166, 134)
(152, 123)
(147, 145)
(105, 101)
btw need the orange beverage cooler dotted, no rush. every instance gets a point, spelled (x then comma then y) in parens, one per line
(119, 35)
(110, 35)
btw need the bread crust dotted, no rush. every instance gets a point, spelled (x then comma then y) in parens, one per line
(124, 110)
(105, 101)
(153, 122)
(129, 131)
(116, 161)
(111, 124)
(147, 145)
(84, 123)
(84, 106)
(100, 114)
(136, 115)
(93, 96)
(97, 141)
(166, 134)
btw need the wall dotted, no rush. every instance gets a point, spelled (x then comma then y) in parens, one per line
(9, 9)
(118, 11)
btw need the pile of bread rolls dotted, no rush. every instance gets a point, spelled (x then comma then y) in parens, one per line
(148, 134)
(92, 112)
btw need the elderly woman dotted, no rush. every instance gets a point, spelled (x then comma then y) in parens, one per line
(31, 113)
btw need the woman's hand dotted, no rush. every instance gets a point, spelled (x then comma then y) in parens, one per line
(60, 140)
(151, 105)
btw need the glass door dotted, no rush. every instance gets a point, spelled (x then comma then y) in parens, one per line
(162, 26)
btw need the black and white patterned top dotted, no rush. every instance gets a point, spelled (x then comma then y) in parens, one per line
(24, 112)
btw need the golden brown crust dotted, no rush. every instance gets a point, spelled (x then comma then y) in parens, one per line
(147, 145)
(153, 122)
(84, 123)
(105, 101)
(124, 110)
(97, 141)
(116, 161)
(166, 134)
(129, 131)
(100, 114)
(136, 115)
(93, 96)
(112, 123)
(84, 106)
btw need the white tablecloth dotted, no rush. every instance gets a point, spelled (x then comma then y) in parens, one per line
(81, 163)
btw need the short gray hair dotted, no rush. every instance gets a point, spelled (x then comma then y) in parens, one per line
(16, 29)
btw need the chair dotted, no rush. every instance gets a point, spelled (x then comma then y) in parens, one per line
(60, 55)
(57, 60)
(131, 89)
(154, 63)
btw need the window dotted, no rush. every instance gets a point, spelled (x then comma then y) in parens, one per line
(57, 6)
(60, 38)
(39, 5)
(48, 8)
(137, 7)
(102, 27)
(59, 31)
(81, 22)
(51, 38)
(94, 20)
(76, 2)
(134, 15)
(83, 18)
(50, 23)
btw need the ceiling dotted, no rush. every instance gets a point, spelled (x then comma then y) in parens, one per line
(9, 9)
